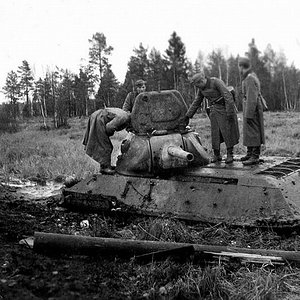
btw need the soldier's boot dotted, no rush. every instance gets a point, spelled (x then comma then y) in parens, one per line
(107, 170)
(229, 158)
(248, 155)
(254, 159)
(217, 156)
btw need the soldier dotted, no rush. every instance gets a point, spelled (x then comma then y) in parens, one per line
(102, 124)
(253, 120)
(224, 124)
(140, 87)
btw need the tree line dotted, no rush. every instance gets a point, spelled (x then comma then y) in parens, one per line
(62, 94)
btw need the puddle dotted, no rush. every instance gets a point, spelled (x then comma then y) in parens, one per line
(32, 190)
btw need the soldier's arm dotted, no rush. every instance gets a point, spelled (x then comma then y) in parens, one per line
(195, 105)
(127, 105)
(229, 102)
(251, 97)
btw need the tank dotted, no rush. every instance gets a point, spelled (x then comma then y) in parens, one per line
(163, 170)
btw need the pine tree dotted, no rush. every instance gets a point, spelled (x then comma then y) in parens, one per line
(12, 87)
(68, 92)
(81, 93)
(98, 53)
(274, 66)
(258, 63)
(12, 92)
(108, 88)
(157, 77)
(138, 66)
(26, 83)
(233, 72)
(177, 59)
(217, 65)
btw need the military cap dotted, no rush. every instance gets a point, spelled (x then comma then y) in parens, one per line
(198, 77)
(244, 62)
(140, 82)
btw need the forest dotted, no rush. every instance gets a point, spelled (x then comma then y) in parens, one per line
(62, 94)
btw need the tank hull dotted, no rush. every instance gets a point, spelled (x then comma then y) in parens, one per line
(261, 195)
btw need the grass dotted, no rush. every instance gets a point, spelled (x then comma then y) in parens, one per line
(47, 154)
(219, 280)
(281, 131)
(169, 280)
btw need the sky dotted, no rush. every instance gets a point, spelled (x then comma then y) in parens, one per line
(49, 33)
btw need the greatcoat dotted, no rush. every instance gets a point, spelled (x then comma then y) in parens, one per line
(223, 118)
(253, 119)
(102, 124)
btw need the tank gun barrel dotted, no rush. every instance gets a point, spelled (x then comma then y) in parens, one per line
(178, 152)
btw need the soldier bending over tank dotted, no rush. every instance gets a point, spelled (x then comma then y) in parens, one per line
(224, 124)
(102, 124)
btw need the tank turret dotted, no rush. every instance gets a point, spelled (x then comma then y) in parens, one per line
(159, 141)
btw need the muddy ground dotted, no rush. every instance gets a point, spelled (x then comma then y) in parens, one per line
(25, 274)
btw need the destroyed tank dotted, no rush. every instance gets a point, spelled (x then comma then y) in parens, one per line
(163, 170)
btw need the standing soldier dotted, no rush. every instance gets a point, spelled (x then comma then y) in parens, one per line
(253, 120)
(224, 124)
(140, 87)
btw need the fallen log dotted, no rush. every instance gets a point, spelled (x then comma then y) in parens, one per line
(50, 243)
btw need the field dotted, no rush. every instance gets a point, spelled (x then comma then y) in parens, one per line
(57, 154)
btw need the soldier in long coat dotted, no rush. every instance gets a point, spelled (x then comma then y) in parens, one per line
(140, 87)
(223, 118)
(253, 120)
(102, 124)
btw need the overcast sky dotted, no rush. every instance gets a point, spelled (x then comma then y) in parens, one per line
(56, 32)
